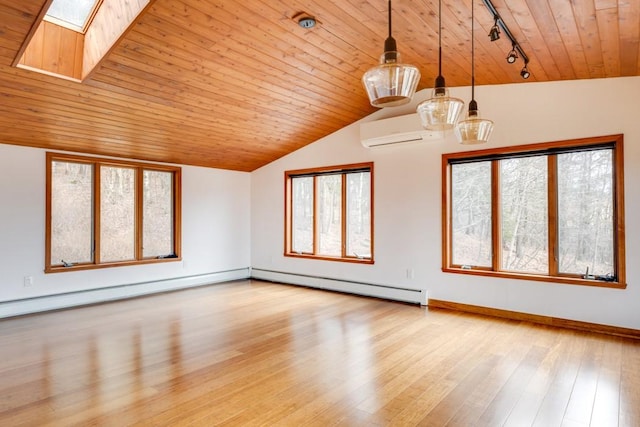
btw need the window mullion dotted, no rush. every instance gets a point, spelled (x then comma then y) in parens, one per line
(343, 214)
(495, 216)
(139, 215)
(552, 195)
(315, 215)
(96, 213)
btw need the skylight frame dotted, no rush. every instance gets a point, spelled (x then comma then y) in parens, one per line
(71, 26)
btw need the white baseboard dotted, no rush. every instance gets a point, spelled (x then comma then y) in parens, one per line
(416, 296)
(92, 296)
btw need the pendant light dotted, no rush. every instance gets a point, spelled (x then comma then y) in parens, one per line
(473, 130)
(440, 112)
(391, 83)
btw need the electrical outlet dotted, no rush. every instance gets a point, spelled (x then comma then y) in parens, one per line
(28, 281)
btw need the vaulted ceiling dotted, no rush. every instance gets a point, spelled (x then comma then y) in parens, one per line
(237, 84)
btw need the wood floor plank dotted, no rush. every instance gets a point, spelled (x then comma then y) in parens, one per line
(580, 406)
(533, 395)
(607, 398)
(556, 398)
(251, 353)
(629, 391)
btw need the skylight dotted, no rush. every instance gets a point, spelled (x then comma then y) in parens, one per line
(73, 14)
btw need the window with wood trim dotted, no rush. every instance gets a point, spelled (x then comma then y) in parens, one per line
(329, 213)
(550, 212)
(73, 14)
(105, 213)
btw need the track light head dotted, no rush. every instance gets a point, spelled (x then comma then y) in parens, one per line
(516, 49)
(494, 33)
(512, 56)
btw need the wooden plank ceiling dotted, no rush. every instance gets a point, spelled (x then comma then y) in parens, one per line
(237, 84)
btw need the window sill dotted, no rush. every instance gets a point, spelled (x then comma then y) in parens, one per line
(81, 267)
(565, 280)
(330, 258)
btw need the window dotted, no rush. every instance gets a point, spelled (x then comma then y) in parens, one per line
(103, 213)
(329, 213)
(550, 212)
(73, 14)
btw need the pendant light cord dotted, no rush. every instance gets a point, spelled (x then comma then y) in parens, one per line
(440, 38)
(473, 50)
(390, 48)
(389, 18)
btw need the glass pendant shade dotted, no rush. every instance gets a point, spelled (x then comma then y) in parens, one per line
(391, 83)
(440, 112)
(474, 130)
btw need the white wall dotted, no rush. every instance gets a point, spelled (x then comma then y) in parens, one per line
(215, 230)
(408, 199)
(233, 220)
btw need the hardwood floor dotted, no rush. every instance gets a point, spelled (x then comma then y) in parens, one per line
(255, 353)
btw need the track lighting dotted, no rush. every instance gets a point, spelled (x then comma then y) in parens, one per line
(513, 55)
(516, 50)
(494, 33)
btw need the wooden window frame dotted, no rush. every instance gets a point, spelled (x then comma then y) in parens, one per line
(65, 24)
(96, 163)
(343, 170)
(548, 148)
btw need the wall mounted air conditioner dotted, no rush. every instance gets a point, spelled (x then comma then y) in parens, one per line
(395, 130)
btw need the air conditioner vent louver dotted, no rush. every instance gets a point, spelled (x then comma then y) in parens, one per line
(394, 131)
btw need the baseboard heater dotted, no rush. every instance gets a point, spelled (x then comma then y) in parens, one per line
(416, 296)
(112, 293)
